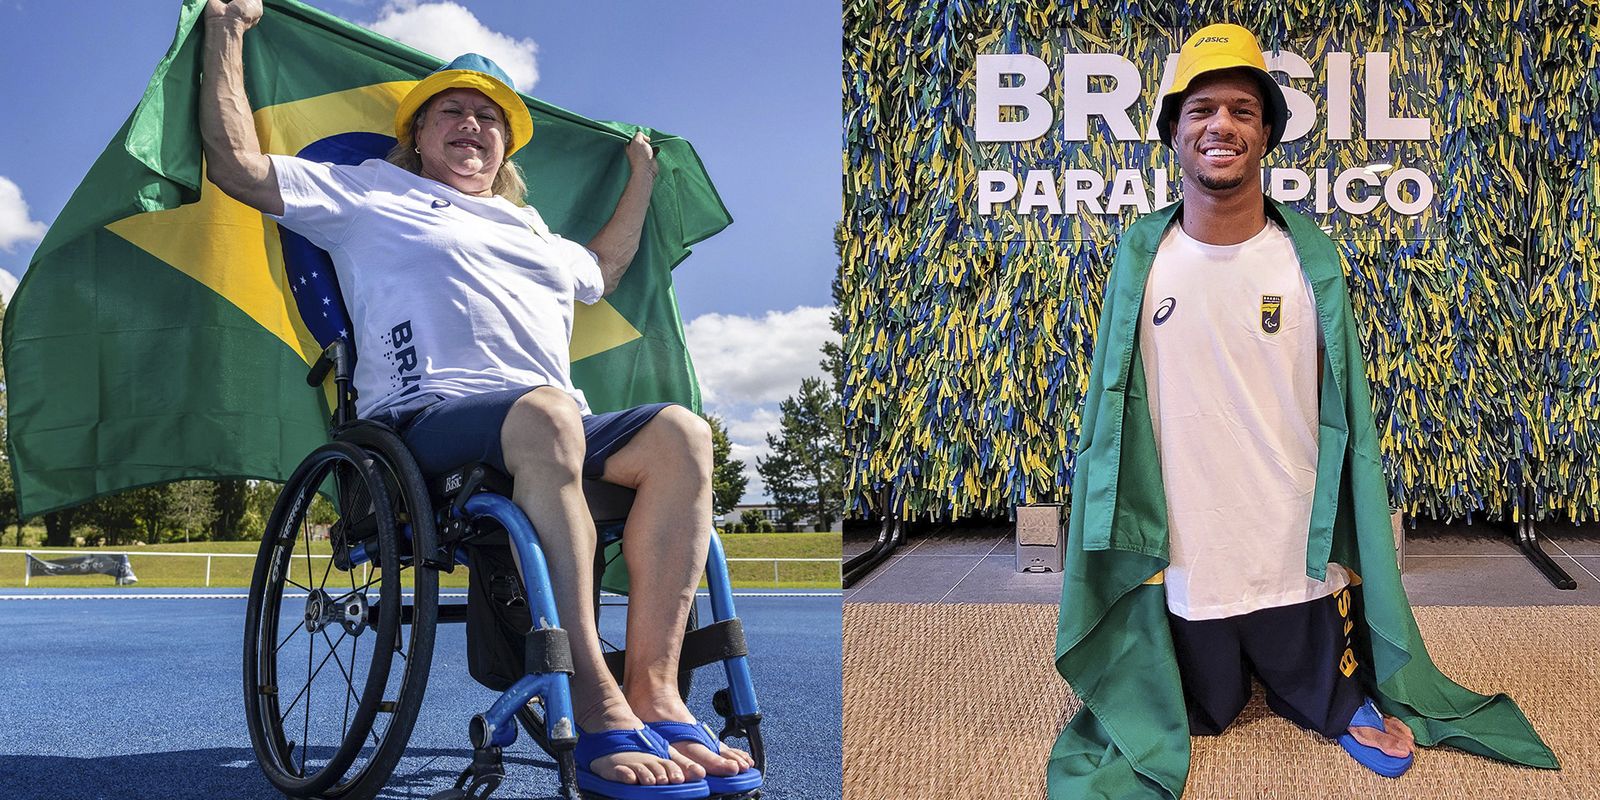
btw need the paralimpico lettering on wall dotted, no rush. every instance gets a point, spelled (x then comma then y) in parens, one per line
(1070, 130)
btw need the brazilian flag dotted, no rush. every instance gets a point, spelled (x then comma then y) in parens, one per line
(156, 336)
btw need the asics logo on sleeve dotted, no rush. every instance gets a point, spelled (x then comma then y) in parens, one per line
(441, 203)
(1165, 311)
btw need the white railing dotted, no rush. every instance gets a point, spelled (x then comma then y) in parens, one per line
(26, 575)
(776, 561)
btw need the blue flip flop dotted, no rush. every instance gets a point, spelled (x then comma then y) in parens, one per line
(698, 733)
(1367, 716)
(642, 740)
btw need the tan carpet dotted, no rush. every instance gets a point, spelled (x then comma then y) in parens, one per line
(948, 702)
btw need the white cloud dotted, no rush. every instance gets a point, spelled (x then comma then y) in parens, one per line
(749, 360)
(747, 433)
(447, 30)
(753, 427)
(746, 365)
(16, 226)
(8, 287)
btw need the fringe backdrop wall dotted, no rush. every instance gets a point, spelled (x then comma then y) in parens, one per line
(968, 339)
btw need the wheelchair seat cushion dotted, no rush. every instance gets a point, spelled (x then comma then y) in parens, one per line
(445, 433)
(607, 502)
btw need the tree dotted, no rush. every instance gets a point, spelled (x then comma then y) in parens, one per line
(728, 480)
(120, 517)
(805, 471)
(833, 349)
(229, 503)
(190, 507)
(58, 527)
(260, 497)
(9, 514)
(751, 519)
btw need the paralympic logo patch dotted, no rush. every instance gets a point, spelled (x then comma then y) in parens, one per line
(1271, 313)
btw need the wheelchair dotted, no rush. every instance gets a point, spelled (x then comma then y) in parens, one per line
(337, 650)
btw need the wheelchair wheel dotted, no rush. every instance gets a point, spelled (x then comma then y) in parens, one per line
(334, 665)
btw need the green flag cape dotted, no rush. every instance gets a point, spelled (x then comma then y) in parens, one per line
(154, 337)
(1131, 737)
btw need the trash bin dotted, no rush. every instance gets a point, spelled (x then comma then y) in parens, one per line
(1039, 538)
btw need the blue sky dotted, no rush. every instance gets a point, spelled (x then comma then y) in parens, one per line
(754, 85)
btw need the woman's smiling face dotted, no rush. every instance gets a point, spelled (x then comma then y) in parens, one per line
(462, 140)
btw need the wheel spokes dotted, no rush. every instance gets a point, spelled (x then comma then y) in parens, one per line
(313, 675)
(349, 681)
(297, 627)
(372, 504)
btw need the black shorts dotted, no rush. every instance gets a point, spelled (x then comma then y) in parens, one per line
(1304, 655)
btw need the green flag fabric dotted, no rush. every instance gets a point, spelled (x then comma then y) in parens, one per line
(1130, 739)
(154, 336)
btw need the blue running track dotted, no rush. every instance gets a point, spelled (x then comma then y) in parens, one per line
(140, 698)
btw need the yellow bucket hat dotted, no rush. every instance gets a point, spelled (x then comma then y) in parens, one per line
(470, 71)
(1219, 47)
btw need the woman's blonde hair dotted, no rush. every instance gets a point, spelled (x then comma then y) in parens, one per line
(508, 181)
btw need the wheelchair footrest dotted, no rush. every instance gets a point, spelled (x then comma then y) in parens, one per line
(547, 650)
(478, 781)
(716, 642)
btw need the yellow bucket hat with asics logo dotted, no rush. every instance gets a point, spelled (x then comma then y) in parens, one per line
(470, 71)
(1212, 49)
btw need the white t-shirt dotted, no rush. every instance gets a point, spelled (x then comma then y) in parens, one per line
(449, 293)
(1229, 337)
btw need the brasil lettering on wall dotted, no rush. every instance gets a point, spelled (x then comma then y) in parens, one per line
(1068, 131)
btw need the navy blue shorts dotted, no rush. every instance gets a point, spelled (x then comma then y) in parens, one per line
(446, 433)
(1304, 655)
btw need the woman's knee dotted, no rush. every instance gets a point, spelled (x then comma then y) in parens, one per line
(544, 429)
(687, 435)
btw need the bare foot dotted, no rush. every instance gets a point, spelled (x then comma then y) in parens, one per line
(1396, 741)
(642, 769)
(668, 706)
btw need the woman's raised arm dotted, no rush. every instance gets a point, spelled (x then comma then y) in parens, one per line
(234, 161)
(618, 240)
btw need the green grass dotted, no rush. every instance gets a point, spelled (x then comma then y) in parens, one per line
(172, 572)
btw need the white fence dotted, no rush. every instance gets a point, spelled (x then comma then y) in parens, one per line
(26, 577)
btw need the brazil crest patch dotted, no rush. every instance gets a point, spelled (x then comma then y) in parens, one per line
(1271, 313)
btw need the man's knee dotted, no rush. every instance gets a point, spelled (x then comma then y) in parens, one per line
(544, 429)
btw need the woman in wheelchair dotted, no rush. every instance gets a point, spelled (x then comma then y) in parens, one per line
(462, 301)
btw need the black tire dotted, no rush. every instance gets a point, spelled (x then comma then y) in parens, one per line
(348, 751)
(415, 514)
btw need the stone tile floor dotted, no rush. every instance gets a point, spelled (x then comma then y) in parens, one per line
(1445, 564)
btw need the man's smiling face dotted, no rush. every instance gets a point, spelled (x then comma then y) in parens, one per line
(1221, 132)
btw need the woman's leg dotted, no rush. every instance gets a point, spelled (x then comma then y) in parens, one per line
(543, 442)
(668, 464)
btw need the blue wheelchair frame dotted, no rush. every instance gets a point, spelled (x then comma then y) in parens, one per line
(467, 500)
(494, 726)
